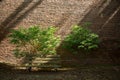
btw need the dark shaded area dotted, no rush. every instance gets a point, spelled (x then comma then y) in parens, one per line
(105, 19)
(1, 0)
(16, 17)
(103, 15)
(5, 66)
(83, 73)
(105, 22)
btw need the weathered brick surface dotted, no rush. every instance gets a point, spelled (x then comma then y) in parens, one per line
(103, 14)
(105, 18)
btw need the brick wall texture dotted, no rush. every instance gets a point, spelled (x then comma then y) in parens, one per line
(103, 14)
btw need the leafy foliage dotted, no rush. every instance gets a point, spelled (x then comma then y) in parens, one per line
(34, 40)
(81, 38)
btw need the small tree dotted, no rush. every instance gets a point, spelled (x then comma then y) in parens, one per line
(34, 40)
(81, 38)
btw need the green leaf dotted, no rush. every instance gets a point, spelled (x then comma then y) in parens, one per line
(35, 40)
(81, 38)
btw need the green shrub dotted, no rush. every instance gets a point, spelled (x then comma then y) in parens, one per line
(81, 38)
(34, 40)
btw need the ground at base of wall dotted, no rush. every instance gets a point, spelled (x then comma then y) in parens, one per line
(83, 73)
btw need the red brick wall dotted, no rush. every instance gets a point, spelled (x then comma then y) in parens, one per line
(105, 19)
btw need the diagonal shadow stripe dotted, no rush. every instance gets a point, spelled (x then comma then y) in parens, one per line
(12, 20)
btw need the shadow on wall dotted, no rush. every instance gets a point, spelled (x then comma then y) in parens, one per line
(61, 24)
(104, 18)
(0, 0)
(16, 17)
